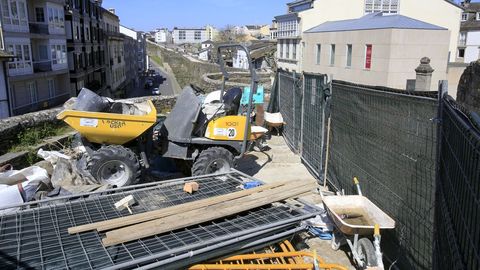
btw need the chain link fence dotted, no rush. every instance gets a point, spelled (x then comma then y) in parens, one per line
(457, 226)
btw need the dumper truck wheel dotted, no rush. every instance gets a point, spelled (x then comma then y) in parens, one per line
(366, 253)
(115, 165)
(213, 160)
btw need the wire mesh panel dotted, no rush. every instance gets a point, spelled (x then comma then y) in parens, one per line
(457, 215)
(313, 122)
(387, 139)
(38, 238)
(290, 101)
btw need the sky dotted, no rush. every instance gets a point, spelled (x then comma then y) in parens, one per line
(148, 15)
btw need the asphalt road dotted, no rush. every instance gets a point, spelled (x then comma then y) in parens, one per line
(162, 81)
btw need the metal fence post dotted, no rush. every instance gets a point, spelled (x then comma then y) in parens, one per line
(303, 116)
(442, 93)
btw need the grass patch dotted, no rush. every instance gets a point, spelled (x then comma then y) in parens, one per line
(31, 137)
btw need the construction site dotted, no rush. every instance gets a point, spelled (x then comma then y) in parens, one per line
(305, 173)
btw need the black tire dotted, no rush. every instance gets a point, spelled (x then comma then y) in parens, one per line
(213, 160)
(366, 252)
(115, 165)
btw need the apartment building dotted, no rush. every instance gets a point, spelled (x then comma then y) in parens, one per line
(469, 38)
(377, 49)
(212, 32)
(34, 32)
(115, 54)
(163, 36)
(303, 15)
(189, 35)
(85, 45)
(135, 54)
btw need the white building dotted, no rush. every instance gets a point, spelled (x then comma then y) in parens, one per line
(163, 36)
(469, 38)
(189, 35)
(303, 15)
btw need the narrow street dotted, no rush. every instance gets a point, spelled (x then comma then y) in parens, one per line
(162, 80)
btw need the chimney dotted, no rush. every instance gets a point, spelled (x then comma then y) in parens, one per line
(424, 75)
(111, 10)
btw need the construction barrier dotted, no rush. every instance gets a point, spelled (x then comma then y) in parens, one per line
(457, 211)
(388, 139)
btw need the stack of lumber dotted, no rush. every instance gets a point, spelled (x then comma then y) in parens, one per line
(134, 227)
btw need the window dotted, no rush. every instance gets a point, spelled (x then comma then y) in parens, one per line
(182, 35)
(287, 29)
(14, 12)
(56, 17)
(461, 53)
(280, 44)
(464, 17)
(22, 62)
(478, 16)
(287, 51)
(51, 88)
(462, 38)
(385, 6)
(319, 53)
(39, 14)
(32, 90)
(349, 55)
(332, 54)
(59, 54)
(198, 35)
(368, 56)
(294, 50)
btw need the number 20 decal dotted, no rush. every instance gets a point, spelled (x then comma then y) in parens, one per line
(231, 132)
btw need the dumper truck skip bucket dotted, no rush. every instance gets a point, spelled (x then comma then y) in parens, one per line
(109, 128)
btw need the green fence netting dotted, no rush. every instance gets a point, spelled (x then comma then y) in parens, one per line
(457, 216)
(314, 117)
(387, 139)
(290, 104)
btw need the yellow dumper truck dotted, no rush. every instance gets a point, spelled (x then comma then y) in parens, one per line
(202, 138)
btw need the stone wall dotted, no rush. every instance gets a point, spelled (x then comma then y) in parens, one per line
(468, 93)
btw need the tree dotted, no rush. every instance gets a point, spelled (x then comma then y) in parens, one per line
(230, 34)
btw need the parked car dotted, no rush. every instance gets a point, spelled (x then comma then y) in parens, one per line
(156, 91)
(148, 83)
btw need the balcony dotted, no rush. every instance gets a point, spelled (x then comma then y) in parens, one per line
(39, 28)
(42, 66)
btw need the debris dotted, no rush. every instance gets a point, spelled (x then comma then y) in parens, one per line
(190, 187)
(125, 203)
(51, 156)
(33, 173)
(252, 184)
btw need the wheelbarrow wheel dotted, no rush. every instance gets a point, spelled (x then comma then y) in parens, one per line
(366, 252)
(115, 165)
(213, 160)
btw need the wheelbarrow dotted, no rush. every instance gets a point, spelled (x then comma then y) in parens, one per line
(356, 219)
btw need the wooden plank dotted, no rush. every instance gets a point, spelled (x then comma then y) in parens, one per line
(197, 216)
(164, 212)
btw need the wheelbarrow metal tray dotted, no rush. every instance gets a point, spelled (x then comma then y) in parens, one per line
(109, 128)
(356, 214)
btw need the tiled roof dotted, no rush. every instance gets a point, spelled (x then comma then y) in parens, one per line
(374, 21)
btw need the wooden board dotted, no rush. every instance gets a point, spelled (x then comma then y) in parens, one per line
(204, 214)
(164, 212)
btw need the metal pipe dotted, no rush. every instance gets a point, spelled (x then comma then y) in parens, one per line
(251, 233)
(224, 244)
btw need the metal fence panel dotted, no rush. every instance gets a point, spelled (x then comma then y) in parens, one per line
(388, 140)
(457, 215)
(313, 122)
(290, 101)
